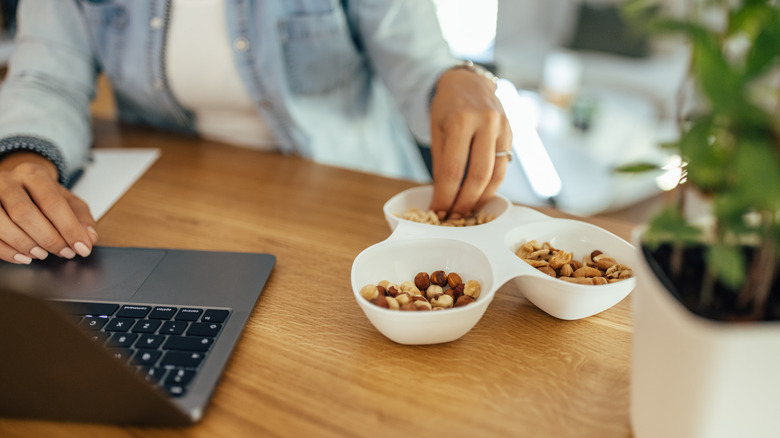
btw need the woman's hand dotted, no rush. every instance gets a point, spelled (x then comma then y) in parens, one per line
(39, 216)
(468, 127)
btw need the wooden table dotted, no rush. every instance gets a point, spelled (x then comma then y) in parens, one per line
(309, 363)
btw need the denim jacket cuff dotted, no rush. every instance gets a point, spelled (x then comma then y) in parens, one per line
(40, 146)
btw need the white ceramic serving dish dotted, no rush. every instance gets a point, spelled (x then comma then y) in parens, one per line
(485, 253)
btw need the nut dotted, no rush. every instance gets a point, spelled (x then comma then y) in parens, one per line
(422, 281)
(587, 271)
(439, 278)
(595, 267)
(559, 259)
(453, 279)
(434, 290)
(403, 298)
(407, 296)
(472, 289)
(369, 291)
(463, 300)
(444, 301)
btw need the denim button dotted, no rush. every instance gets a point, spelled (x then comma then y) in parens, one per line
(155, 22)
(241, 44)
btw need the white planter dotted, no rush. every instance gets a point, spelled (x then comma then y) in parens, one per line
(693, 377)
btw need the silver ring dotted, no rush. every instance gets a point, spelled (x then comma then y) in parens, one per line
(507, 154)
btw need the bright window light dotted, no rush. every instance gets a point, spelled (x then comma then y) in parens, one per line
(469, 27)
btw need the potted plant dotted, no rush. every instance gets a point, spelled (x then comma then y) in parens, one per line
(706, 309)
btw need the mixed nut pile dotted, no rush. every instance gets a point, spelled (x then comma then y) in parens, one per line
(595, 268)
(436, 291)
(429, 217)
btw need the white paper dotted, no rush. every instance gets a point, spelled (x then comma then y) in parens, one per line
(110, 174)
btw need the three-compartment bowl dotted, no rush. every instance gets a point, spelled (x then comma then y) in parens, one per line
(485, 253)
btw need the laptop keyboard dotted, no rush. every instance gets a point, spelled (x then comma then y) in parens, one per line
(166, 344)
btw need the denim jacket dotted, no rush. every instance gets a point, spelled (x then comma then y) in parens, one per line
(345, 83)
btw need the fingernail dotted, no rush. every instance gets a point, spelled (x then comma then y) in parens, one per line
(82, 249)
(67, 253)
(22, 259)
(39, 253)
(441, 214)
(92, 233)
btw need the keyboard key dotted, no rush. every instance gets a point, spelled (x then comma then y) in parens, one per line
(119, 325)
(93, 322)
(149, 341)
(188, 314)
(182, 359)
(191, 343)
(176, 390)
(153, 374)
(146, 326)
(132, 311)
(123, 354)
(204, 329)
(179, 377)
(215, 315)
(161, 312)
(146, 357)
(173, 327)
(99, 337)
(74, 308)
(122, 339)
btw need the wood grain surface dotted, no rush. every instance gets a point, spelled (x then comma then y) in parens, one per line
(309, 363)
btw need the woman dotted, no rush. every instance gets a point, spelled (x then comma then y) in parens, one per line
(352, 83)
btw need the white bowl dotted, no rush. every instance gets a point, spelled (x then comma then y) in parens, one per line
(485, 253)
(559, 298)
(400, 260)
(420, 197)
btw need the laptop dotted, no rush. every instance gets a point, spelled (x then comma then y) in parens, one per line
(127, 335)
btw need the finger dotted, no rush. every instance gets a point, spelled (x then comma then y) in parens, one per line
(57, 208)
(504, 143)
(16, 239)
(25, 215)
(9, 254)
(481, 169)
(84, 216)
(450, 154)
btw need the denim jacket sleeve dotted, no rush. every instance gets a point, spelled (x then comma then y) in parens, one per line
(406, 49)
(44, 101)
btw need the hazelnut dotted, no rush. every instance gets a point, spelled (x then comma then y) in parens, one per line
(422, 281)
(439, 278)
(410, 288)
(422, 305)
(381, 301)
(403, 298)
(369, 291)
(463, 300)
(472, 289)
(392, 303)
(408, 306)
(453, 279)
(443, 301)
(434, 290)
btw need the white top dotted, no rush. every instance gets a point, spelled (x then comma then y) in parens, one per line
(203, 77)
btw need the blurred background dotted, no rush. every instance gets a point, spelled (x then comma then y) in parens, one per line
(585, 93)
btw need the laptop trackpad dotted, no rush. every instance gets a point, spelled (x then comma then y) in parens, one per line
(109, 273)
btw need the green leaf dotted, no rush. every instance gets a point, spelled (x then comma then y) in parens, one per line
(728, 264)
(764, 53)
(637, 167)
(669, 225)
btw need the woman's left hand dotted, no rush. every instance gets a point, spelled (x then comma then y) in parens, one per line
(468, 128)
